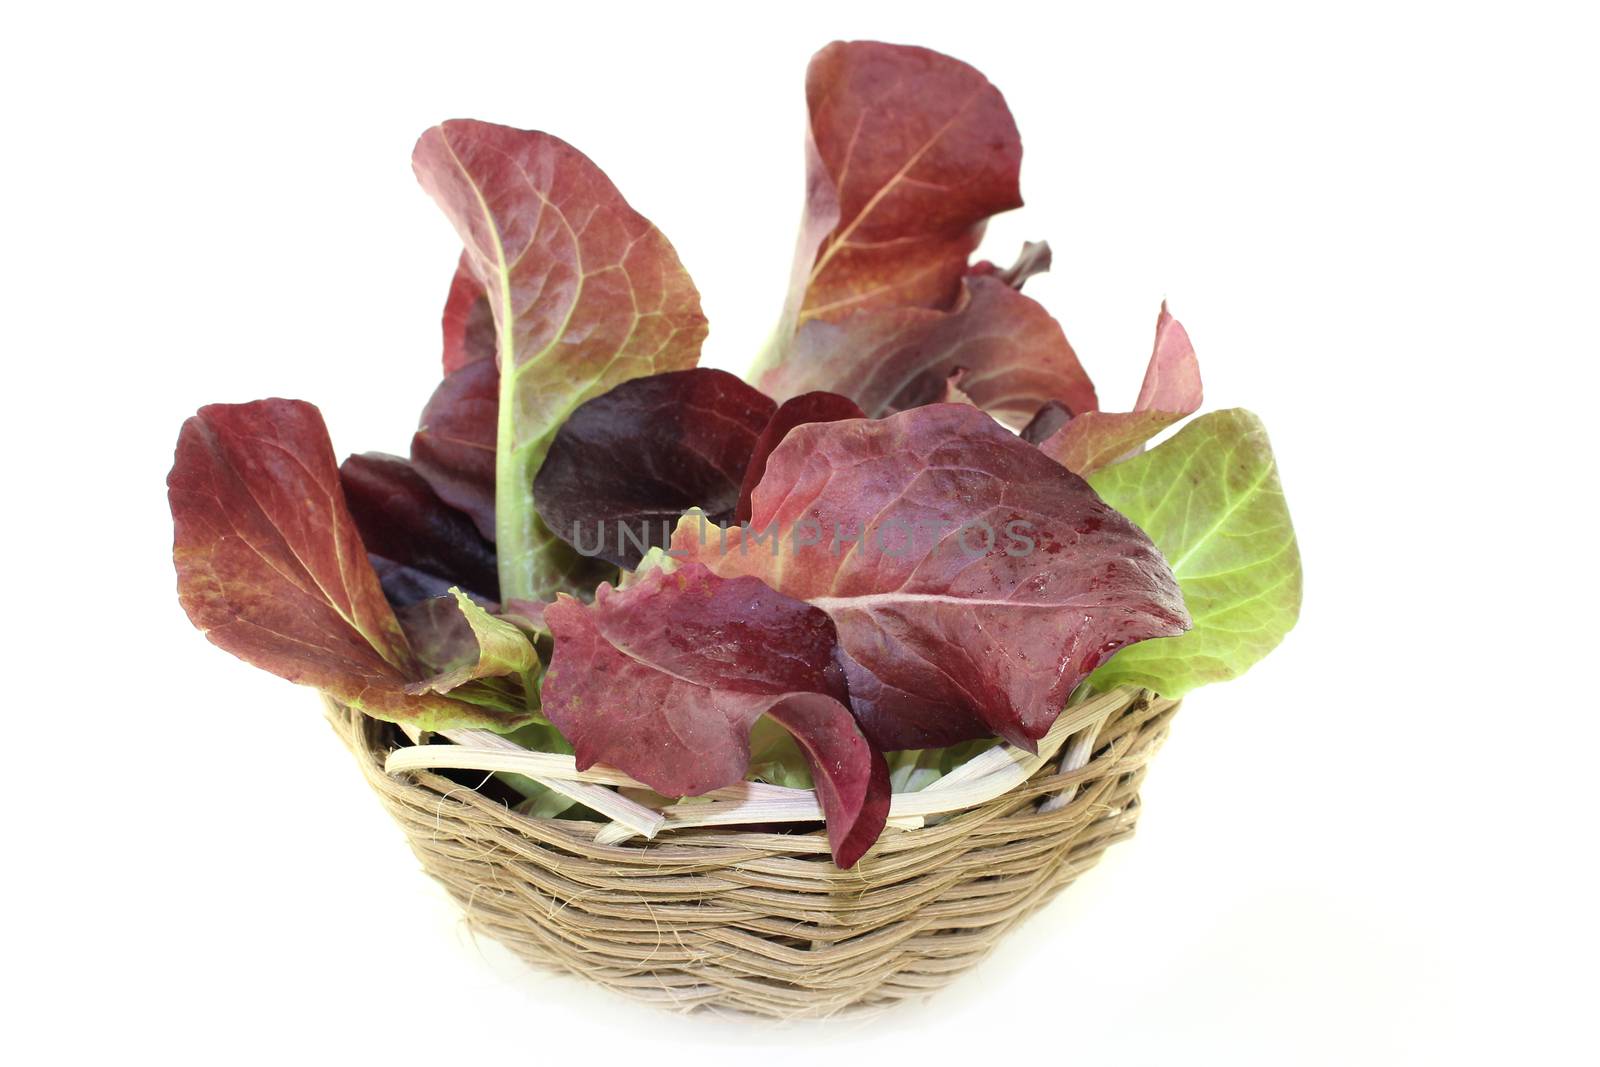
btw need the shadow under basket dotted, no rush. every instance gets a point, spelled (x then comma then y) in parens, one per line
(763, 922)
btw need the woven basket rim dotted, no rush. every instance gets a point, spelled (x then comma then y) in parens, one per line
(1021, 771)
(986, 776)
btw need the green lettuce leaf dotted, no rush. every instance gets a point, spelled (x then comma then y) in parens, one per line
(1211, 501)
(496, 649)
(915, 769)
(775, 758)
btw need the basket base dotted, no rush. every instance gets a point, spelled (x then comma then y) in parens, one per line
(764, 923)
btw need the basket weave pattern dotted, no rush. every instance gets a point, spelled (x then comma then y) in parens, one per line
(764, 922)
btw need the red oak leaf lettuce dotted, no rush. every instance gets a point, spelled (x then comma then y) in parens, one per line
(1171, 391)
(271, 568)
(1013, 352)
(628, 463)
(665, 680)
(909, 154)
(807, 407)
(454, 446)
(585, 293)
(401, 519)
(905, 572)
(974, 582)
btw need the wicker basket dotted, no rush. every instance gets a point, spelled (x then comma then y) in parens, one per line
(764, 922)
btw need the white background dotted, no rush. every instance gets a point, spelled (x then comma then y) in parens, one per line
(1378, 224)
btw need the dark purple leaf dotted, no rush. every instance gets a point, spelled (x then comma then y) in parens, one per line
(1051, 416)
(405, 586)
(628, 463)
(403, 520)
(934, 387)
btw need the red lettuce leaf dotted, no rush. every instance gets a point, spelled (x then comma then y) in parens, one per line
(468, 321)
(850, 776)
(271, 568)
(454, 447)
(628, 463)
(1013, 352)
(1171, 391)
(807, 407)
(973, 581)
(585, 294)
(665, 680)
(909, 152)
(401, 519)
(1033, 259)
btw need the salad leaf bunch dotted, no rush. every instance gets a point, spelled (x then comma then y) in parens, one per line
(911, 530)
